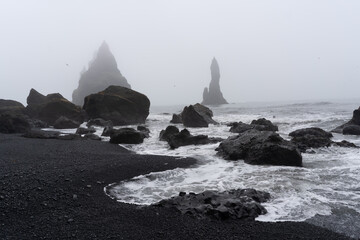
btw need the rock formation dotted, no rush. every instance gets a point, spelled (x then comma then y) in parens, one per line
(194, 116)
(102, 73)
(352, 127)
(261, 124)
(260, 148)
(213, 95)
(51, 107)
(121, 105)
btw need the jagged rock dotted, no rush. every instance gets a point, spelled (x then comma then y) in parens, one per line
(205, 112)
(345, 143)
(121, 105)
(64, 122)
(213, 95)
(102, 73)
(82, 130)
(13, 123)
(351, 127)
(261, 148)
(232, 204)
(127, 136)
(51, 107)
(176, 118)
(99, 122)
(183, 138)
(168, 132)
(191, 118)
(311, 138)
(261, 125)
(144, 130)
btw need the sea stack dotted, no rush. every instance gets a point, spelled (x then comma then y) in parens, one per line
(102, 73)
(213, 95)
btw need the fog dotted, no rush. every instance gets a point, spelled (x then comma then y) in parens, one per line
(270, 50)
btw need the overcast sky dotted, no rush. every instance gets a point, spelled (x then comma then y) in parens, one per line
(270, 50)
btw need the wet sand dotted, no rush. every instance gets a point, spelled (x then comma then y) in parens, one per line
(53, 189)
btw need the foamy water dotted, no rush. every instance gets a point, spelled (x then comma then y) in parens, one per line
(329, 179)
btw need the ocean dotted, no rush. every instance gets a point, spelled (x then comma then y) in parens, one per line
(328, 184)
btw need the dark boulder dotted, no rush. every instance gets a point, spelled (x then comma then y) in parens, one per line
(261, 148)
(168, 132)
(311, 138)
(127, 136)
(102, 73)
(64, 122)
(344, 143)
(82, 130)
(51, 107)
(233, 204)
(108, 131)
(183, 138)
(121, 105)
(11, 107)
(13, 123)
(213, 95)
(191, 118)
(144, 130)
(176, 118)
(261, 124)
(351, 129)
(99, 122)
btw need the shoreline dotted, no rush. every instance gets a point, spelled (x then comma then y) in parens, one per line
(55, 189)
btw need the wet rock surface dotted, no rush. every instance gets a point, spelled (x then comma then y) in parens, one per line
(352, 127)
(120, 105)
(191, 118)
(261, 124)
(177, 138)
(261, 148)
(127, 136)
(307, 138)
(233, 204)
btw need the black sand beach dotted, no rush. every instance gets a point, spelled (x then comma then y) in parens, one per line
(53, 189)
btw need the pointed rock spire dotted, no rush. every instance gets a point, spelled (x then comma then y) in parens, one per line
(213, 95)
(102, 72)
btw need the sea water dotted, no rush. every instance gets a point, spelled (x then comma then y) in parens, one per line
(328, 180)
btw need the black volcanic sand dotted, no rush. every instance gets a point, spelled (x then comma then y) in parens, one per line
(54, 189)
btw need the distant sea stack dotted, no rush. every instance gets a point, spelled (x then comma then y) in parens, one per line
(213, 95)
(102, 73)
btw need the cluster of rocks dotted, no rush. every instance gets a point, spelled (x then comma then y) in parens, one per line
(196, 115)
(352, 127)
(121, 106)
(177, 138)
(233, 204)
(261, 124)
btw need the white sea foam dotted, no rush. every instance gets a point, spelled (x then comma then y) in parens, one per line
(329, 179)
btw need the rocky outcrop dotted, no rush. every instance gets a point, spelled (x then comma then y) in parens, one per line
(82, 130)
(12, 117)
(51, 107)
(99, 122)
(213, 95)
(121, 105)
(307, 138)
(127, 136)
(194, 116)
(352, 127)
(233, 204)
(177, 138)
(102, 73)
(261, 125)
(261, 148)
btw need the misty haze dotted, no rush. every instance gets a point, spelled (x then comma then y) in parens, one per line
(180, 119)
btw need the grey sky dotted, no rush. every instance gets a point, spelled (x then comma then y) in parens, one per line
(267, 50)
